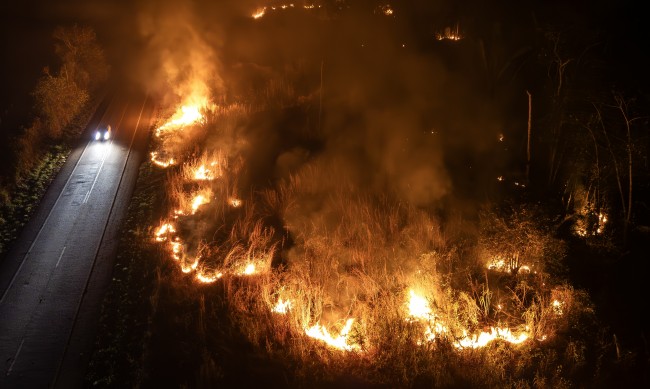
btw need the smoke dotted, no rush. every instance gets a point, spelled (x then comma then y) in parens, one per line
(180, 62)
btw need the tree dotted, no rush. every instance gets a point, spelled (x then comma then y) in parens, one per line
(83, 60)
(58, 101)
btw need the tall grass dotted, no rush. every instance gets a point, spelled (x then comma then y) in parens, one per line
(318, 249)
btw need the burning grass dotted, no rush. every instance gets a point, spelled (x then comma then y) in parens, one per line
(338, 280)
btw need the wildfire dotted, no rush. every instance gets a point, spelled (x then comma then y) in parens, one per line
(418, 307)
(176, 248)
(192, 266)
(283, 306)
(249, 269)
(557, 307)
(259, 12)
(340, 342)
(385, 9)
(207, 279)
(159, 162)
(185, 116)
(204, 174)
(590, 224)
(449, 33)
(198, 201)
(163, 230)
(482, 339)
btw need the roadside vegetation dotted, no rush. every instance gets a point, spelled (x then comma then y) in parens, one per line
(64, 100)
(257, 287)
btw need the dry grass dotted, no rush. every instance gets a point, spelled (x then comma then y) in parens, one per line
(345, 253)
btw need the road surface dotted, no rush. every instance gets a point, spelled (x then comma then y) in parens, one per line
(53, 279)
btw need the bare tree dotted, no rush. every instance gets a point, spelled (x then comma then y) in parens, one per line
(83, 60)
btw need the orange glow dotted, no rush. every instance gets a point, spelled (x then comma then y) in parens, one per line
(186, 115)
(418, 307)
(190, 267)
(208, 278)
(449, 33)
(235, 203)
(339, 342)
(249, 269)
(162, 232)
(177, 248)
(198, 201)
(204, 174)
(483, 338)
(159, 162)
(259, 13)
(283, 306)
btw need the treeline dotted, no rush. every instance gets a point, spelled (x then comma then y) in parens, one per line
(61, 95)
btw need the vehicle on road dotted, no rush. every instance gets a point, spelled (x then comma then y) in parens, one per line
(104, 133)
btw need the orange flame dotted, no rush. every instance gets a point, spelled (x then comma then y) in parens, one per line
(340, 342)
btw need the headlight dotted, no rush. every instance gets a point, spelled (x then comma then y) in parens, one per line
(98, 135)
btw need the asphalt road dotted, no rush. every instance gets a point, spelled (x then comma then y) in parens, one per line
(54, 277)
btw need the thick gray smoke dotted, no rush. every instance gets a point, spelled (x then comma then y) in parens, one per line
(396, 106)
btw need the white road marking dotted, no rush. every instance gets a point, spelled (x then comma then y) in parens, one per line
(16, 356)
(60, 256)
(72, 173)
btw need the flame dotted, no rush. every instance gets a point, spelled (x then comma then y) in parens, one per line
(283, 306)
(198, 201)
(418, 307)
(207, 279)
(234, 202)
(483, 338)
(385, 9)
(163, 230)
(161, 163)
(177, 248)
(184, 116)
(190, 267)
(204, 174)
(557, 307)
(340, 342)
(249, 269)
(449, 33)
(259, 13)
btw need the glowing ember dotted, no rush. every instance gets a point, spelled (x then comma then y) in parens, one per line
(340, 342)
(159, 162)
(385, 9)
(283, 306)
(235, 203)
(602, 219)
